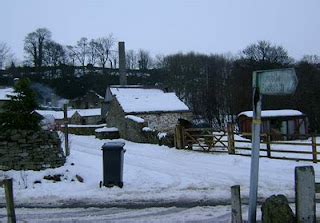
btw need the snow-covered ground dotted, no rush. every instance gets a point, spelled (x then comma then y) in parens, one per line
(153, 175)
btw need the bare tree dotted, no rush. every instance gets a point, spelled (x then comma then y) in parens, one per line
(54, 54)
(71, 55)
(311, 59)
(34, 44)
(81, 50)
(104, 47)
(4, 53)
(144, 60)
(92, 52)
(131, 59)
(113, 59)
(263, 51)
(158, 61)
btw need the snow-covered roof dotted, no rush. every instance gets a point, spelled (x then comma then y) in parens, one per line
(55, 114)
(60, 115)
(141, 100)
(4, 92)
(273, 113)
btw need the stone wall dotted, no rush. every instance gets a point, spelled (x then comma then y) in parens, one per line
(82, 129)
(30, 150)
(86, 120)
(165, 121)
(115, 117)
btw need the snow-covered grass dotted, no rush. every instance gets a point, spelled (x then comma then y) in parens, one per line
(152, 173)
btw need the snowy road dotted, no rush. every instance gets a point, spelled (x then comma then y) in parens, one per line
(171, 214)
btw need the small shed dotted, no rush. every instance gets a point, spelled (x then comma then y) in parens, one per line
(86, 116)
(280, 124)
(144, 106)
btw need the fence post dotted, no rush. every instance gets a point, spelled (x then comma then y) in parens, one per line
(231, 147)
(7, 183)
(305, 194)
(236, 213)
(314, 149)
(66, 130)
(183, 143)
(178, 136)
(268, 145)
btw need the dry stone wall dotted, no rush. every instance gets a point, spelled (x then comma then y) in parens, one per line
(165, 121)
(30, 150)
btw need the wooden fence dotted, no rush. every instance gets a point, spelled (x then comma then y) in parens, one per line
(211, 140)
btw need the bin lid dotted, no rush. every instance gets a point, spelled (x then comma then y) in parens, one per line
(113, 145)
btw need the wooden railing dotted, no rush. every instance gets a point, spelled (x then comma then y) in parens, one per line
(211, 140)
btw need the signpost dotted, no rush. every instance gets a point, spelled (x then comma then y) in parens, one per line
(277, 82)
(265, 82)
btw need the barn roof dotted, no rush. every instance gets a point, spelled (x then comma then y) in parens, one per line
(137, 99)
(273, 113)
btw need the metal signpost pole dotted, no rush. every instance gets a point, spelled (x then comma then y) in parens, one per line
(265, 82)
(254, 171)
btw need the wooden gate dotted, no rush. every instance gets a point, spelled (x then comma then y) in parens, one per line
(203, 139)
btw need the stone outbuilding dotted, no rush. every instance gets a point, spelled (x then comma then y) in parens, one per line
(135, 110)
(86, 116)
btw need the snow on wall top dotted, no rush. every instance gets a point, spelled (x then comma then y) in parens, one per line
(139, 100)
(4, 92)
(273, 113)
(81, 112)
(135, 118)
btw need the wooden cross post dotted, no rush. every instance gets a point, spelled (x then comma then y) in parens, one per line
(231, 146)
(7, 183)
(66, 130)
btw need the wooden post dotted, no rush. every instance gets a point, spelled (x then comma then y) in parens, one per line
(183, 138)
(236, 213)
(314, 149)
(66, 130)
(268, 145)
(7, 183)
(305, 194)
(178, 136)
(231, 147)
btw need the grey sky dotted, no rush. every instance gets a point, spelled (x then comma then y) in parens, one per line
(168, 26)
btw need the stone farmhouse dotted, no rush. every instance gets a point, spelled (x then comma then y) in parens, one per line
(135, 110)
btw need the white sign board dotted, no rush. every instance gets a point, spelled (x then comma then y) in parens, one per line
(277, 82)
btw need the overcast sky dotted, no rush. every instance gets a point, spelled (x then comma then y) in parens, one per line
(168, 26)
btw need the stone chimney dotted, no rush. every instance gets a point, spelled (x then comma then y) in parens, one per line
(122, 64)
